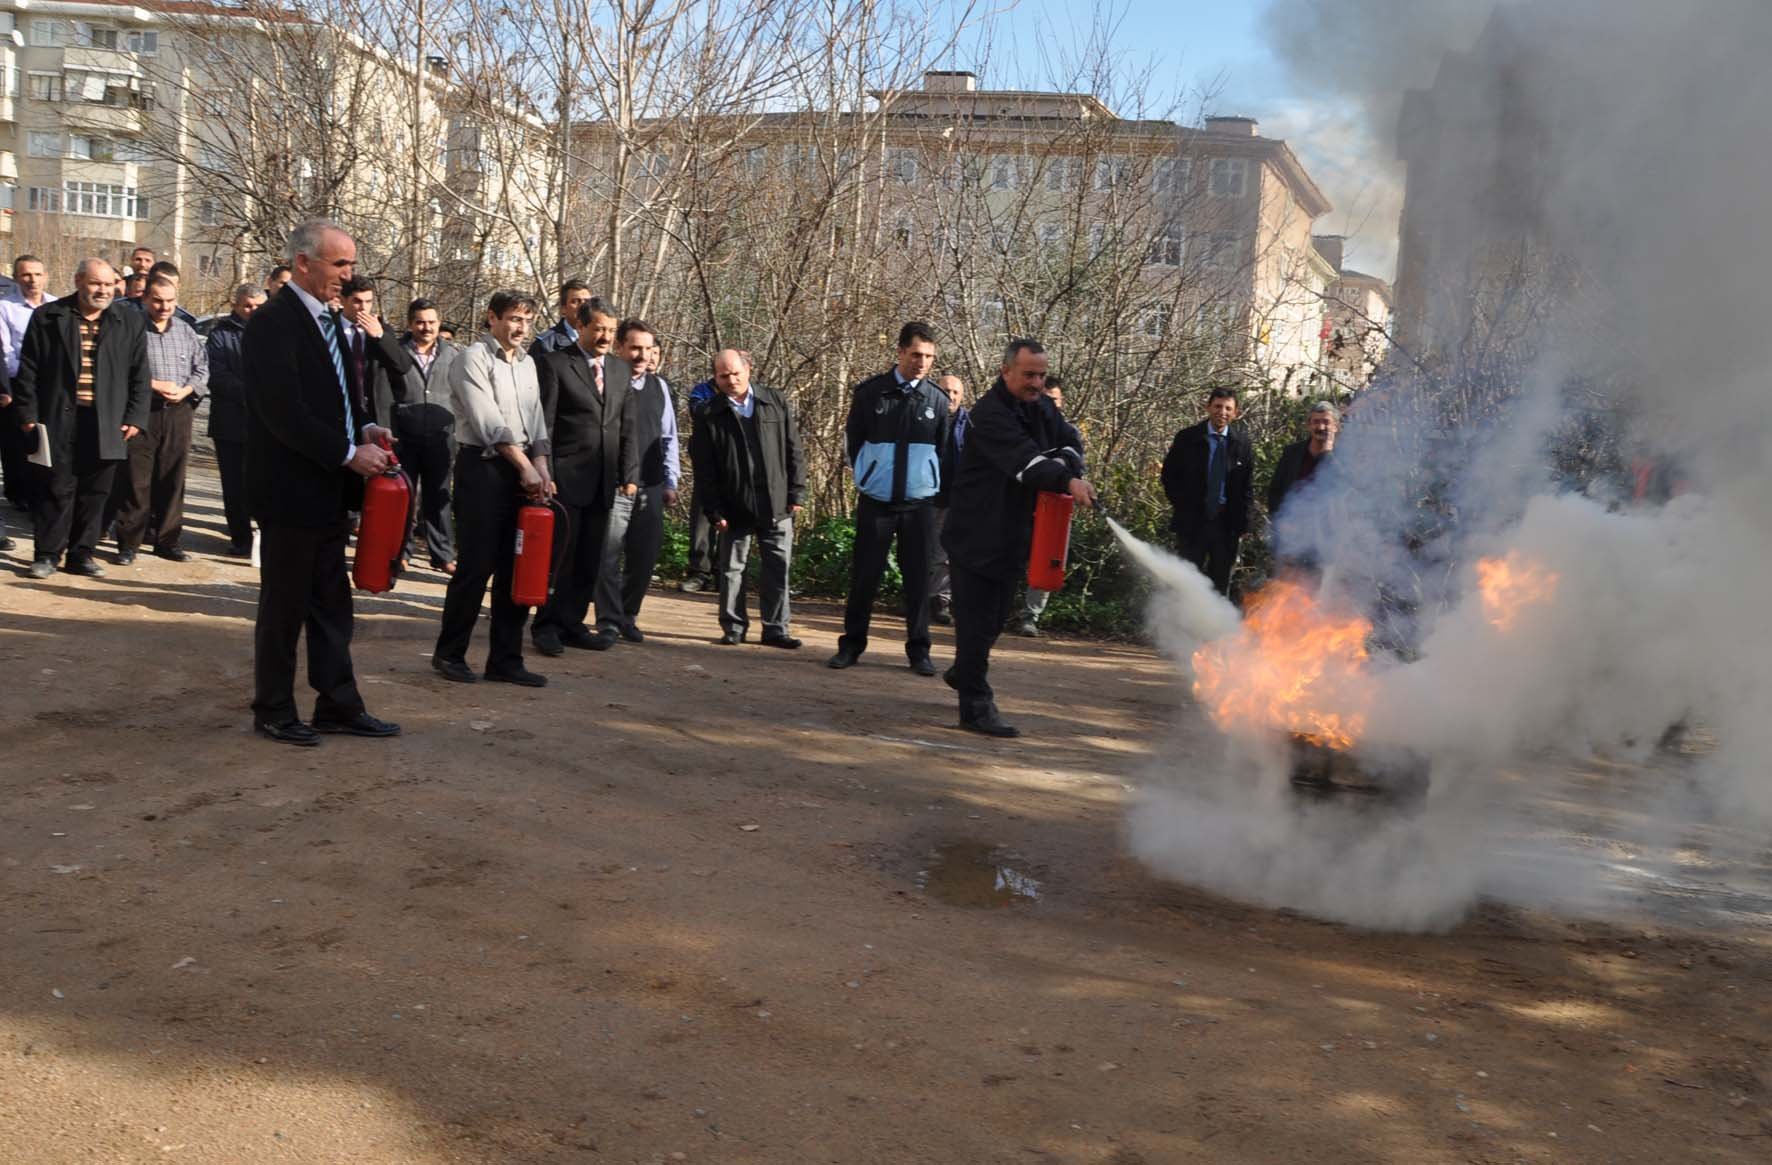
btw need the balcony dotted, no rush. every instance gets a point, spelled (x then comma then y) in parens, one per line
(122, 121)
(8, 166)
(94, 60)
(8, 110)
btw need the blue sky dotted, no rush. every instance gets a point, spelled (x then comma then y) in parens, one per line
(1211, 53)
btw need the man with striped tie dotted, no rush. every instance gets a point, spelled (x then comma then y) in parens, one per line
(309, 447)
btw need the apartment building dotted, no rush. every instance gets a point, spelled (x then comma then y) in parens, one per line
(1356, 321)
(165, 124)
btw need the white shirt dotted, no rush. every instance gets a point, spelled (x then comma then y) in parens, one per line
(15, 316)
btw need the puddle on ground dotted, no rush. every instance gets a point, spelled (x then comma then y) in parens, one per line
(971, 873)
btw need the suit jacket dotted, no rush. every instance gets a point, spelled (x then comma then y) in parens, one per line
(1184, 479)
(417, 400)
(594, 446)
(1010, 455)
(296, 443)
(385, 363)
(227, 394)
(726, 483)
(49, 369)
(1286, 473)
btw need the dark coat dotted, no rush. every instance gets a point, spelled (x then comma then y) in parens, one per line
(296, 443)
(648, 406)
(1286, 474)
(552, 340)
(898, 440)
(43, 392)
(1184, 480)
(227, 394)
(594, 449)
(418, 401)
(1011, 454)
(385, 364)
(724, 475)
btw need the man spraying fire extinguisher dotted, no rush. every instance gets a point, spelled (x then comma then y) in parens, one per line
(1017, 444)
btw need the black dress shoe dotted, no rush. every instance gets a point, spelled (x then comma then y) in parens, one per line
(952, 680)
(41, 568)
(941, 611)
(87, 566)
(842, 659)
(454, 669)
(547, 641)
(239, 550)
(362, 724)
(786, 642)
(126, 558)
(518, 675)
(632, 634)
(7, 543)
(990, 723)
(289, 732)
(589, 641)
(923, 666)
(731, 638)
(173, 553)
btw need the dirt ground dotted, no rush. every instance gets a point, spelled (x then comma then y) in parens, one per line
(725, 905)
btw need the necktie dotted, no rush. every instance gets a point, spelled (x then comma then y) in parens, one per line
(329, 329)
(1215, 474)
(597, 371)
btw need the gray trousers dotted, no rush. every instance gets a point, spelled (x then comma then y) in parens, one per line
(732, 552)
(636, 529)
(1035, 606)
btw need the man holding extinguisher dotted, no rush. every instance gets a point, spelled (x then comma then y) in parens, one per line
(1017, 444)
(501, 461)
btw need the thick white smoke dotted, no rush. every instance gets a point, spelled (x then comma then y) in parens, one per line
(1636, 174)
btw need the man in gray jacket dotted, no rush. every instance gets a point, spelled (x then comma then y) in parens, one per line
(424, 428)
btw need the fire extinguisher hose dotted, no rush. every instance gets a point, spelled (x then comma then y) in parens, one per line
(557, 553)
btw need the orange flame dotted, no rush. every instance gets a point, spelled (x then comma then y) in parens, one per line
(1509, 585)
(1292, 666)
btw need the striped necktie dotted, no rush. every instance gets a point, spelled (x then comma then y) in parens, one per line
(329, 329)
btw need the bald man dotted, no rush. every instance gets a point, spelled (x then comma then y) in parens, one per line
(749, 480)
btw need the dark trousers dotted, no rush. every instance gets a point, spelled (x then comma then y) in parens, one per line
(21, 480)
(775, 541)
(940, 585)
(876, 525)
(981, 604)
(630, 552)
(152, 484)
(230, 462)
(68, 511)
(487, 498)
(701, 541)
(302, 584)
(428, 460)
(1212, 547)
(569, 605)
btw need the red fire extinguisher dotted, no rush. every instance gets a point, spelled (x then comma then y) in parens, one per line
(381, 533)
(536, 552)
(1052, 540)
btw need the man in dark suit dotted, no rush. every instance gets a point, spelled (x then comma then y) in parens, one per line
(83, 379)
(897, 435)
(749, 478)
(424, 427)
(574, 294)
(635, 534)
(309, 447)
(377, 359)
(227, 414)
(1209, 478)
(588, 403)
(1016, 445)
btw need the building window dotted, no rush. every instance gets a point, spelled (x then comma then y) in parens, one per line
(1230, 177)
(903, 232)
(43, 145)
(44, 199)
(1111, 173)
(1220, 250)
(208, 212)
(93, 149)
(1168, 245)
(52, 34)
(1005, 172)
(756, 161)
(145, 43)
(103, 200)
(208, 265)
(46, 87)
(1154, 323)
(1098, 239)
(1050, 236)
(901, 166)
(211, 158)
(1061, 174)
(1170, 176)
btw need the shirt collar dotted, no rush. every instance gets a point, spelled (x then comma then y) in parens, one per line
(1211, 432)
(314, 306)
(902, 382)
(490, 343)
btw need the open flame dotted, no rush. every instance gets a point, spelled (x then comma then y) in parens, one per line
(1509, 585)
(1292, 667)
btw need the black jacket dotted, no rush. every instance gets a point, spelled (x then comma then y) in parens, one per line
(385, 364)
(1286, 474)
(552, 340)
(592, 436)
(724, 476)
(418, 400)
(43, 392)
(227, 395)
(296, 443)
(1184, 479)
(897, 439)
(1012, 452)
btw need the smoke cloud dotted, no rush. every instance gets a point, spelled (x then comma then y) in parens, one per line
(1596, 225)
